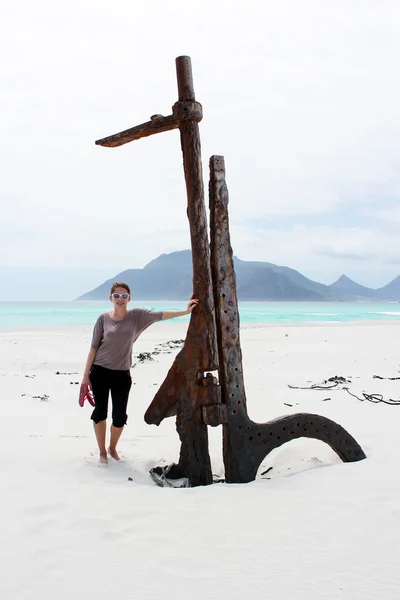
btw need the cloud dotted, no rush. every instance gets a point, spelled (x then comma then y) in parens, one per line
(390, 215)
(300, 98)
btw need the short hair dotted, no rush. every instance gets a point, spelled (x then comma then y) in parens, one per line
(120, 284)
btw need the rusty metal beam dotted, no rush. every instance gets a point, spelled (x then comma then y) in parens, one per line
(156, 125)
(245, 443)
(189, 110)
(182, 391)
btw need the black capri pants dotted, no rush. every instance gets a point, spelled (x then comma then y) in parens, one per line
(119, 383)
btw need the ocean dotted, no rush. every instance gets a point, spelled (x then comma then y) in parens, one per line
(43, 314)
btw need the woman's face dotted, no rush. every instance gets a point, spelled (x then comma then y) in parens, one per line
(120, 297)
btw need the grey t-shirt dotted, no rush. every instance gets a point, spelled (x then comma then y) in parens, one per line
(113, 339)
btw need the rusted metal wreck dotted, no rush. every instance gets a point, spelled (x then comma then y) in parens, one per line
(205, 386)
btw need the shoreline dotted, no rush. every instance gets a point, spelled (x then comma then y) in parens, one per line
(6, 329)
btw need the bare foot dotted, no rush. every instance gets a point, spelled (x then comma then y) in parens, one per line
(103, 460)
(114, 454)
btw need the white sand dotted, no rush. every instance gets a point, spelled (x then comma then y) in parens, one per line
(71, 530)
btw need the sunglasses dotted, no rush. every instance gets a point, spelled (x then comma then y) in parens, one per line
(115, 295)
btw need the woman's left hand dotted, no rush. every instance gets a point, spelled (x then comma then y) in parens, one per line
(193, 302)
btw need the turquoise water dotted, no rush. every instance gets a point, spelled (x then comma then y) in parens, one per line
(39, 314)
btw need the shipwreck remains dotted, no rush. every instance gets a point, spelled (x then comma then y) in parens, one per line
(205, 386)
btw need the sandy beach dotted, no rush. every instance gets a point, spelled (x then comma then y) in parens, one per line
(317, 528)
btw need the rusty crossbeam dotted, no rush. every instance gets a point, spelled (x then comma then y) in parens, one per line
(181, 111)
(157, 124)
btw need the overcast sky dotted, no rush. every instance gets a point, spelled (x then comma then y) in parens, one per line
(301, 97)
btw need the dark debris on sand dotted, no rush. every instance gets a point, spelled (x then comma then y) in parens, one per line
(164, 348)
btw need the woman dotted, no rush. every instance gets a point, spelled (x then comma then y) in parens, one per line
(109, 361)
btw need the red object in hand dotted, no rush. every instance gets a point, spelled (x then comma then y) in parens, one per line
(85, 393)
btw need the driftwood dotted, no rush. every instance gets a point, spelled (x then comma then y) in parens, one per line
(205, 384)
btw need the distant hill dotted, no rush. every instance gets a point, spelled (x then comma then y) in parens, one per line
(391, 291)
(346, 288)
(246, 269)
(264, 283)
(169, 277)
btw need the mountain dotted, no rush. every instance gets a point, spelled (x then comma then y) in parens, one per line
(346, 288)
(391, 291)
(266, 284)
(169, 277)
(246, 269)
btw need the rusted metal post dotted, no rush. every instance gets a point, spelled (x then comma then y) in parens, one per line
(245, 443)
(182, 392)
(227, 318)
